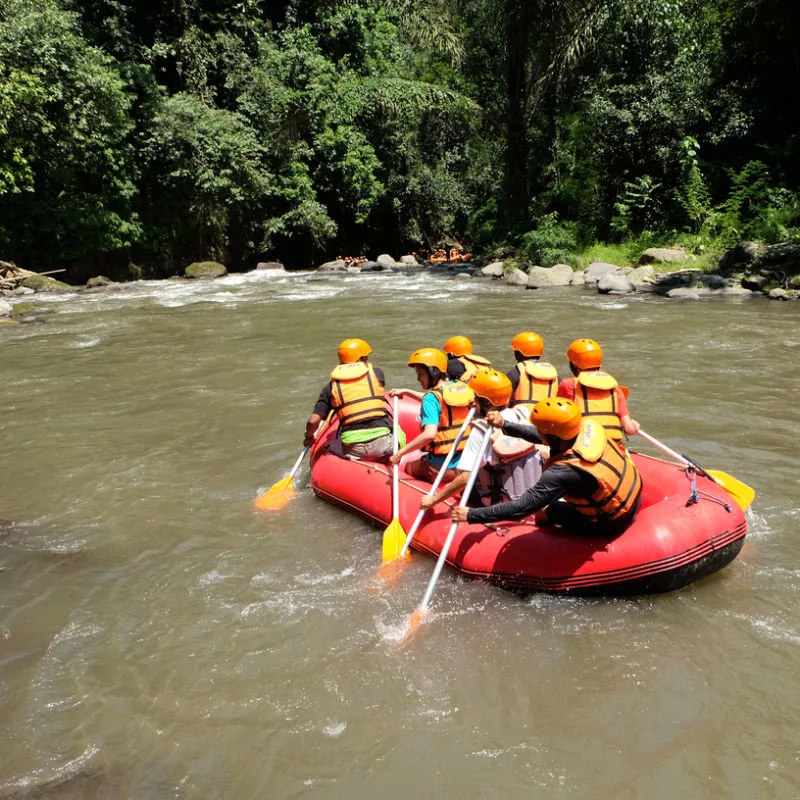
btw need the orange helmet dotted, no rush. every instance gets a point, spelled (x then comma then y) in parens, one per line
(585, 354)
(528, 343)
(491, 385)
(458, 346)
(557, 416)
(429, 357)
(351, 350)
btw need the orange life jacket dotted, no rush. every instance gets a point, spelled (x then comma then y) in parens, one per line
(597, 399)
(619, 482)
(454, 401)
(538, 380)
(471, 364)
(357, 393)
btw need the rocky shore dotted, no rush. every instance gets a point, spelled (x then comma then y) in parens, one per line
(749, 269)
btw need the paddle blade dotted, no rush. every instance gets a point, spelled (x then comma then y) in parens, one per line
(416, 620)
(394, 537)
(740, 492)
(277, 496)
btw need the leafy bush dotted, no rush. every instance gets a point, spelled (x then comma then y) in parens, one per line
(551, 242)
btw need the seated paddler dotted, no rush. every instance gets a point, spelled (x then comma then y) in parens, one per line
(597, 393)
(445, 405)
(531, 378)
(589, 485)
(355, 393)
(461, 361)
(510, 466)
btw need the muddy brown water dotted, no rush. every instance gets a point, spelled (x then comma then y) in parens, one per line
(158, 639)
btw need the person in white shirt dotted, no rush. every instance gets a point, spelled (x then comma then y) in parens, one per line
(510, 466)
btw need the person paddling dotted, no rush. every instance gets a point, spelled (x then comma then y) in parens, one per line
(531, 379)
(510, 466)
(461, 361)
(355, 393)
(445, 405)
(597, 393)
(596, 477)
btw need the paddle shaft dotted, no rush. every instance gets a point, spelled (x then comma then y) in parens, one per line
(677, 456)
(452, 532)
(437, 480)
(395, 467)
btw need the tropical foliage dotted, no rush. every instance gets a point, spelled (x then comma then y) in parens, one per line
(147, 136)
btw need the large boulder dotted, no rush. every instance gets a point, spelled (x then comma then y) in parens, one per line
(5, 308)
(43, 283)
(386, 260)
(541, 277)
(597, 269)
(333, 266)
(662, 255)
(642, 275)
(615, 283)
(744, 254)
(271, 265)
(409, 261)
(205, 269)
(493, 270)
(97, 281)
(517, 278)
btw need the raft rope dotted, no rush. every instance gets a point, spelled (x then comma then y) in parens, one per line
(692, 472)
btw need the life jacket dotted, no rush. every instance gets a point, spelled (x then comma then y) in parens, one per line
(454, 401)
(510, 448)
(597, 399)
(619, 482)
(538, 380)
(471, 364)
(357, 394)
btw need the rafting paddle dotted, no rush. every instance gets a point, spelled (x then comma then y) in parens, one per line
(394, 535)
(740, 492)
(280, 493)
(401, 553)
(419, 614)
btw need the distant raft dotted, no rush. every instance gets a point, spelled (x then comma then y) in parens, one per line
(684, 531)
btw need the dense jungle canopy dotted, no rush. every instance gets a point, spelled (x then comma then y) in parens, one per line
(148, 135)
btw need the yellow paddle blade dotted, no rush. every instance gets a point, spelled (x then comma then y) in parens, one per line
(277, 496)
(740, 492)
(416, 620)
(394, 537)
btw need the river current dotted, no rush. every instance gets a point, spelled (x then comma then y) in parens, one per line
(159, 639)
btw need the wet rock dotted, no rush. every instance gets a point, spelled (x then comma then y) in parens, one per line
(333, 266)
(642, 275)
(5, 308)
(597, 269)
(272, 265)
(616, 283)
(540, 277)
(44, 283)
(683, 293)
(516, 278)
(579, 278)
(409, 261)
(98, 281)
(493, 270)
(744, 254)
(713, 281)
(373, 266)
(386, 260)
(662, 255)
(683, 277)
(205, 269)
(783, 294)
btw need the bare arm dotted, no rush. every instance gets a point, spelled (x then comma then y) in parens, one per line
(456, 485)
(428, 435)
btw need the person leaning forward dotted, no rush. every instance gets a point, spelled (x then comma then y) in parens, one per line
(596, 477)
(355, 393)
(510, 466)
(445, 405)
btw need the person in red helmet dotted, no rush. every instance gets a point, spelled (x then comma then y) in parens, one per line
(597, 393)
(596, 477)
(355, 393)
(445, 405)
(531, 379)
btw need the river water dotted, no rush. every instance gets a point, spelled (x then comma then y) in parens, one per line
(158, 639)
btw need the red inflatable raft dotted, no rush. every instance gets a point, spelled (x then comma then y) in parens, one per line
(673, 542)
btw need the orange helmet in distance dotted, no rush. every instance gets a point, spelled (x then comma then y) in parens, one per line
(458, 346)
(491, 385)
(351, 350)
(585, 354)
(528, 343)
(429, 357)
(557, 416)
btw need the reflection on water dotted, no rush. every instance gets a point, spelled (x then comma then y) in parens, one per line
(159, 640)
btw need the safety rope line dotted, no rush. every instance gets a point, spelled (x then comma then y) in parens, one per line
(691, 472)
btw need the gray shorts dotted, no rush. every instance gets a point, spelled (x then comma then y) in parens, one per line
(377, 450)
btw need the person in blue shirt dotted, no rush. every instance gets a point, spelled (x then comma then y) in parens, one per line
(445, 405)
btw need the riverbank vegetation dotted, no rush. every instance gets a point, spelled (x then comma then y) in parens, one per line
(144, 137)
